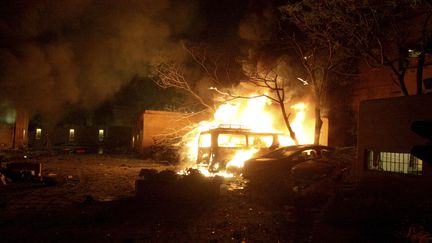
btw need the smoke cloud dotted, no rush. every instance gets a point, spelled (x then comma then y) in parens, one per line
(55, 53)
(267, 54)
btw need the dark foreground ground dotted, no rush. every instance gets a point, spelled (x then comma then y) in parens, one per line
(93, 201)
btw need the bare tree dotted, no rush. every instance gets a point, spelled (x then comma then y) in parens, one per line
(316, 52)
(172, 75)
(379, 32)
(424, 46)
(331, 32)
(318, 62)
(215, 66)
(276, 87)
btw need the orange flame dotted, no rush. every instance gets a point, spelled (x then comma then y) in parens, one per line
(258, 115)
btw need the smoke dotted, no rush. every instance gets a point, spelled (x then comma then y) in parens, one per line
(56, 53)
(266, 54)
(7, 114)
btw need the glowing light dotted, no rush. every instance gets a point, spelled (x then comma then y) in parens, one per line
(258, 115)
(297, 124)
(240, 157)
(305, 82)
(38, 133)
(71, 135)
(101, 135)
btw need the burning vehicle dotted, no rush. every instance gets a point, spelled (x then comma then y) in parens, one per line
(220, 148)
(240, 130)
(274, 168)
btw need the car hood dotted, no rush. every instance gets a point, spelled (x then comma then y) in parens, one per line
(262, 159)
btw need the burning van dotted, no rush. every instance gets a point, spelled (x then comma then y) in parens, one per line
(230, 145)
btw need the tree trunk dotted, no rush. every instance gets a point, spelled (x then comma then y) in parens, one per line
(318, 124)
(421, 61)
(401, 78)
(399, 73)
(403, 65)
(288, 125)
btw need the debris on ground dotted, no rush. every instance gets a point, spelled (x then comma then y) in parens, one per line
(95, 207)
(2, 179)
(167, 185)
(417, 234)
(23, 171)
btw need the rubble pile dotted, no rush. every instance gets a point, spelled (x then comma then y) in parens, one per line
(23, 170)
(168, 186)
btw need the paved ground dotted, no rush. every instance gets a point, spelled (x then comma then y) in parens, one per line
(93, 201)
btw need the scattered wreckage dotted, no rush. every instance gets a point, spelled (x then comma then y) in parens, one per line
(15, 166)
(168, 186)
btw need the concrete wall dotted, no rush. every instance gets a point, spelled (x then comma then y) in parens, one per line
(372, 83)
(15, 135)
(21, 129)
(381, 83)
(152, 126)
(385, 125)
(6, 136)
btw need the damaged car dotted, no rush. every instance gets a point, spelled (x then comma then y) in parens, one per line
(218, 146)
(278, 163)
(270, 173)
(319, 176)
(292, 169)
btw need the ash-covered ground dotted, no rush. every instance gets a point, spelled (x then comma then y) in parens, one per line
(93, 200)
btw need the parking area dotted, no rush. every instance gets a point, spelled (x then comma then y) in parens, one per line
(93, 199)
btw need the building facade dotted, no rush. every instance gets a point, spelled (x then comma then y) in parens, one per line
(155, 128)
(14, 133)
(98, 139)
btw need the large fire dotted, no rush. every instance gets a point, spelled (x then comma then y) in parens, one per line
(257, 115)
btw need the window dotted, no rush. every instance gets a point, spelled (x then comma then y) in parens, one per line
(38, 133)
(101, 135)
(305, 155)
(404, 163)
(283, 139)
(204, 141)
(325, 153)
(310, 154)
(260, 141)
(231, 140)
(71, 135)
(281, 152)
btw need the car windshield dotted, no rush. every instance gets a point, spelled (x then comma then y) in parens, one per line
(231, 140)
(260, 141)
(204, 140)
